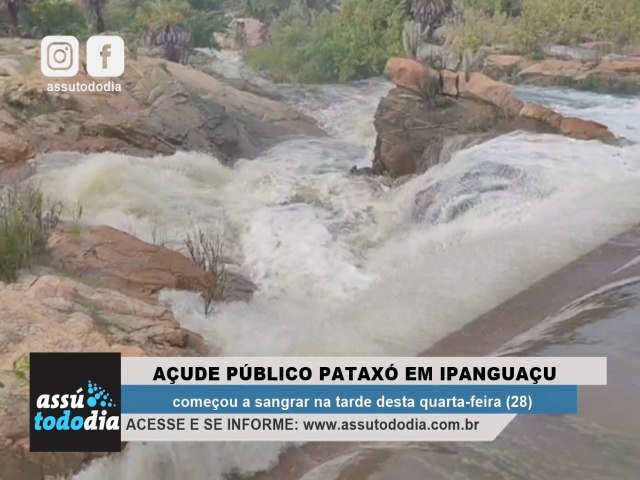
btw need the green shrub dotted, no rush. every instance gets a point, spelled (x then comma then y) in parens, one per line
(25, 226)
(572, 21)
(265, 10)
(203, 26)
(54, 17)
(531, 24)
(207, 5)
(564, 21)
(351, 44)
(480, 28)
(511, 8)
(207, 251)
(125, 14)
(122, 15)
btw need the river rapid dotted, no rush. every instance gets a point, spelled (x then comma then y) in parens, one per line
(352, 265)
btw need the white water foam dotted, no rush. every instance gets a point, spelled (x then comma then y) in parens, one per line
(346, 265)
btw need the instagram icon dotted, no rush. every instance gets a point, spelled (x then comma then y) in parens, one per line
(59, 56)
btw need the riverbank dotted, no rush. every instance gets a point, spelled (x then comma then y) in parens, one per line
(163, 107)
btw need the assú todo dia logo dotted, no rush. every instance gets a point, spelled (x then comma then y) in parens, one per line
(95, 398)
(74, 402)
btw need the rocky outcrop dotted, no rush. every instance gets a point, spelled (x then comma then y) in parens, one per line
(413, 123)
(14, 149)
(413, 75)
(163, 107)
(49, 313)
(504, 67)
(106, 301)
(610, 73)
(590, 65)
(244, 33)
(107, 257)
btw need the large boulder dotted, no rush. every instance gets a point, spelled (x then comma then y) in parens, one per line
(615, 75)
(412, 75)
(107, 257)
(163, 107)
(412, 130)
(14, 149)
(244, 33)
(50, 313)
(504, 66)
(573, 127)
(413, 127)
(590, 65)
(552, 71)
(482, 88)
(607, 74)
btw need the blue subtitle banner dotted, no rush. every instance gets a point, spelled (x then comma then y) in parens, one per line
(352, 399)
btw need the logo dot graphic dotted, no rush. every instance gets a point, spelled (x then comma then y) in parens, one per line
(98, 396)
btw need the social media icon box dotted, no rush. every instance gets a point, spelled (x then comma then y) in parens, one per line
(105, 56)
(59, 56)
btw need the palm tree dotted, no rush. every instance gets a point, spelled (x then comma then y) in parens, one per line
(15, 7)
(431, 14)
(96, 9)
(166, 25)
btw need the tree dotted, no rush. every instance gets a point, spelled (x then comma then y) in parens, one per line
(14, 8)
(431, 14)
(166, 23)
(351, 44)
(54, 17)
(96, 10)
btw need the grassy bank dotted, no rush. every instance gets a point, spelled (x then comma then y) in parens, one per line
(354, 40)
(529, 25)
(26, 223)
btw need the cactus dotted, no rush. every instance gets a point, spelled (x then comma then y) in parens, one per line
(411, 37)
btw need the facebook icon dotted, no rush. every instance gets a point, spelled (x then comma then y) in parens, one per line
(105, 56)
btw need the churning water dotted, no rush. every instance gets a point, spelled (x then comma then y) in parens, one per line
(351, 265)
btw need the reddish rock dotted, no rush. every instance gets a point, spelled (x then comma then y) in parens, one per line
(503, 66)
(412, 131)
(552, 71)
(400, 160)
(449, 83)
(480, 87)
(463, 78)
(619, 75)
(58, 314)
(586, 130)
(621, 66)
(13, 149)
(245, 33)
(412, 75)
(162, 107)
(569, 126)
(110, 258)
(541, 113)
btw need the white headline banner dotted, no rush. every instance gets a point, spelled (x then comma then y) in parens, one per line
(362, 370)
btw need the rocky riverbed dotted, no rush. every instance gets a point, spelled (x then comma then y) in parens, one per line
(163, 107)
